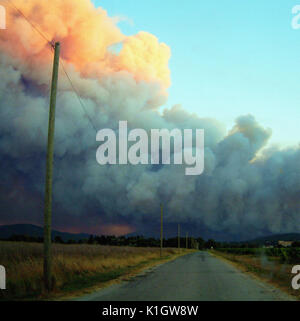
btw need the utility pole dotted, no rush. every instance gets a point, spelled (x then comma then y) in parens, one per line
(161, 229)
(179, 237)
(186, 240)
(49, 172)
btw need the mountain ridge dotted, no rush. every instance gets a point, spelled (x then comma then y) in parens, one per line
(7, 231)
(275, 238)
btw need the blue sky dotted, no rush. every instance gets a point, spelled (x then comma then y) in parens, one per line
(229, 57)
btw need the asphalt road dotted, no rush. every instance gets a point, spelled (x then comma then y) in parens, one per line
(193, 277)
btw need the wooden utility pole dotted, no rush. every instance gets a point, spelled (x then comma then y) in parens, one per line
(186, 240)
(179, 237)
(161, 229)
(49, 172)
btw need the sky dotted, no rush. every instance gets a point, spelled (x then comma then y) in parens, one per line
(229, 57)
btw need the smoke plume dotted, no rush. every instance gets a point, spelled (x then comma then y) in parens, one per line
(245, 191)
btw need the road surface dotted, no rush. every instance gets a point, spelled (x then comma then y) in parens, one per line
(194, 277)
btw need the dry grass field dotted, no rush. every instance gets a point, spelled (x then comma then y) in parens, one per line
(75, 267)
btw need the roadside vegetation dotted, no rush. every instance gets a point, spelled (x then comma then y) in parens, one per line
(285, 255)
(75, 266)
(273, 265)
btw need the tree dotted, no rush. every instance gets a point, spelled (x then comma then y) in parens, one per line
(201, 243)
(296, 244)
(91, 239)
(58, 239)
(211, 244)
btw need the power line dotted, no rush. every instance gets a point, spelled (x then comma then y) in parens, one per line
(79, 99)
(32, 25)
(62, 64)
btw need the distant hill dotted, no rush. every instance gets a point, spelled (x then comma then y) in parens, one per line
(36, 231)
(276, 237)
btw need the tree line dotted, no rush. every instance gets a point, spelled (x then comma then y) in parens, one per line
(137, 241)
(141, 241)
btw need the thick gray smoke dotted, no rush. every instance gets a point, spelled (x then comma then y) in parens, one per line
(245, 190)
(239, 193)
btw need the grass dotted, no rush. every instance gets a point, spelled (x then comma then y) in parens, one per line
(287, 255)
(269, 269)
(74, 267)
